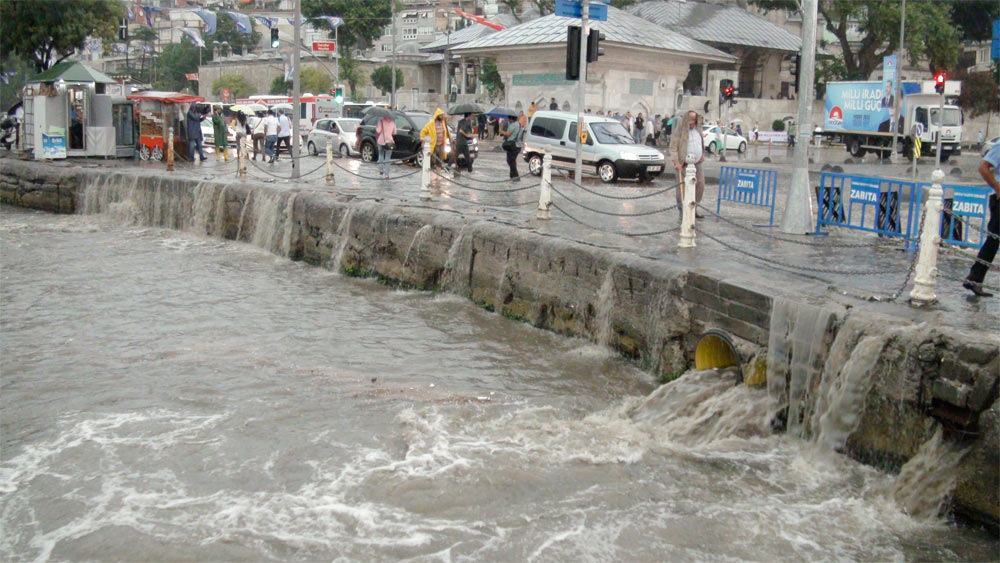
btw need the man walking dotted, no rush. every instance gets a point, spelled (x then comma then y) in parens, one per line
(193, 126)
(284, 136)
(270, 136)
(462, 137)
(988, 170)
(686, 140)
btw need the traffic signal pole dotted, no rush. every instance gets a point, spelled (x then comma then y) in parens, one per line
(798, 216)
(581, 89)
(296, 85)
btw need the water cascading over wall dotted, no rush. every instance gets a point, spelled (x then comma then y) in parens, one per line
(877, 388)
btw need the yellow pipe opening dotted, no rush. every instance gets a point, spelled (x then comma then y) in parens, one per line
(715, 351)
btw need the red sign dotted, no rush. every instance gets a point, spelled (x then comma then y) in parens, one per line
(324, 46)
(226, 96)
(191, 76)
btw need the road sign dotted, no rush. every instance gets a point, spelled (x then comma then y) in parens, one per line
(571, 9)
(324, 46)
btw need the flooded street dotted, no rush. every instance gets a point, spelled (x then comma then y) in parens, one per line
(171, 397)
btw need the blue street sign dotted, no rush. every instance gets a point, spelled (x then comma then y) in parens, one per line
(571, 9)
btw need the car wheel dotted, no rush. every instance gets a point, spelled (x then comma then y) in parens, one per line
(607, 171)
(312, 149)
(419, 159)
(535, 164)
(144, 152)
(742, 148)
(157, 154)
(344, 151)
(367, 152)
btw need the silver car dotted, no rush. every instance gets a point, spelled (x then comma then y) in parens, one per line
(341, 131)
(607, 147)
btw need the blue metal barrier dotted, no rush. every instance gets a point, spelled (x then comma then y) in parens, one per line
(883, 206)
(749, 186)
(964, 205)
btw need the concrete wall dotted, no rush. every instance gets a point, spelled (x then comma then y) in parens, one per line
(651, 311)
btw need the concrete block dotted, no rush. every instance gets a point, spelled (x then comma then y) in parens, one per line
(951, 392)
(744, 296)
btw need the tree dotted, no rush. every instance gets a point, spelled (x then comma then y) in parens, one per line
(490, 78)
(382, 79)
(622, 4)
(930, 33)
(974, 18)
(544, 7)
(364, 20)
(980, 92)
(350, 72)
(146, 36)
(176, 60)
(311, 80)
(16, 71)
(237, 85)
(279, 87)
(231, 39)
(514, 6)
(45, 33)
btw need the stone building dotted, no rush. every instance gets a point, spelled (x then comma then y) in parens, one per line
(642, 70)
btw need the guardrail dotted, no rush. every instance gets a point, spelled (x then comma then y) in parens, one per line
(749, 186)
(964, 214)
(882, 206)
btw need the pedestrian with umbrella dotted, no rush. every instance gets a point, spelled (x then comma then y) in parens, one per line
(385, 131)
(513, 134)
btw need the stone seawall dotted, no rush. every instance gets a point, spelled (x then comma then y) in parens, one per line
(921, 378)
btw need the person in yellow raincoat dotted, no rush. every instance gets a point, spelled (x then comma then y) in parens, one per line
(436, 131)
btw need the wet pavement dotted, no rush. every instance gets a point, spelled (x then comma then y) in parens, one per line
(846, 267)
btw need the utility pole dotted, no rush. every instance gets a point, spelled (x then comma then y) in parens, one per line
(581, 89)
(898, 90)
(392, 93)
(798, 216)
(296, 85)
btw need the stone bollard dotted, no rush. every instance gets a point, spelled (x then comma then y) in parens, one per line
(241, 157)
(545, 191)
(688, 206)
(170, 149)
(425, 174)
(930, 237)
(329, 162)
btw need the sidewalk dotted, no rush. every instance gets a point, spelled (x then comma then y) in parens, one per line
(847, 267)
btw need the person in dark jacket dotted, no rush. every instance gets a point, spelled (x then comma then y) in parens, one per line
(193, 126)
(553, 105)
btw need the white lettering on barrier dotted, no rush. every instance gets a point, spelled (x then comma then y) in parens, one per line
(742, 184)
(970, 207)
(863, 195)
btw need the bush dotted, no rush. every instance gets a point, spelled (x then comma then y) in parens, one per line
(778, 125)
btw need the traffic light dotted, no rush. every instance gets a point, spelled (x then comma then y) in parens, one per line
(594, 49)
(573, 52)
(274, 38)
(726, 89)
(939, 79)
(795, 67)
(338, 95)
(123, 29)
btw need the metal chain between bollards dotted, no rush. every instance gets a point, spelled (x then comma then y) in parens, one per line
(790, 241)
(457, 183)
(643, 196)
(647, 234)
(612, 214)
(360, 175)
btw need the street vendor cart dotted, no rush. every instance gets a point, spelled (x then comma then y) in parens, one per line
(158, 111)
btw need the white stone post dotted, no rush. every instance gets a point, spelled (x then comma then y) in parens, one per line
(545, 191)
(425, 174)
(689, 204)
(329, 161)
(930, 237)
(170, 149)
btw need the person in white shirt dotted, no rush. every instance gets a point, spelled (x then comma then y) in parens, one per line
(257, 134)
(284, 135)
(687, 141)
(270, 124)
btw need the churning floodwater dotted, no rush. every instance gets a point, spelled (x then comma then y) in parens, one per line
(170, 397)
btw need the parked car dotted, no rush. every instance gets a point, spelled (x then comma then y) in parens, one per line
(407, 138)
(608, 147)
(713, 139)
(341, 131)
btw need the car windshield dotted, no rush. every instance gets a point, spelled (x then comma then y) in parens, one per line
(349, 125)
(611, 133)
(952, 116)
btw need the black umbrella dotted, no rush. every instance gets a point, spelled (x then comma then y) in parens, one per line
(466, 108)
(505, 113)
(379, 112)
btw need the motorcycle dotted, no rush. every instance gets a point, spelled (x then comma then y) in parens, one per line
(8, 133)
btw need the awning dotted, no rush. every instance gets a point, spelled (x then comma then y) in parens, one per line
(169, 97)
(73, 72)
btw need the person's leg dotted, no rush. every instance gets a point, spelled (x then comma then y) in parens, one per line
(512, 162)
(989, 249)
(201, 149)
(467, 155)
(383, 160)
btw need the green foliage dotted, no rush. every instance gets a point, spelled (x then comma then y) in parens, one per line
(980, 92)
(622, 4)
(829, 70)
(174, 62)
(147, 37)
(514, 7)
(237, 84)
(665, 378)
(10, 91)
(46, 33)
(279, 87)
(974, 18)
(315, 81)
(382, 79)
(364, 20)
(544, 7)
(777, 125)
(350, 72)
(231, 40)
(490, 77)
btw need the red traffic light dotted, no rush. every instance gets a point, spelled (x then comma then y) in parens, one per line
(939, 78)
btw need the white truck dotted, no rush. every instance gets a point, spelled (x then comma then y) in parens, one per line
(861, 115)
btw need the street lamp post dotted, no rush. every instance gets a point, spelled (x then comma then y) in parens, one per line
(296, 85)
(392, 92)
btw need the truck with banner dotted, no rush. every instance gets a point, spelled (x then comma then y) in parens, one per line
(863, 115)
